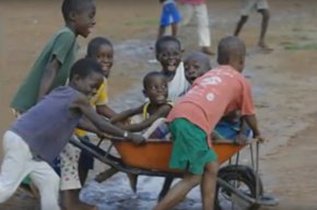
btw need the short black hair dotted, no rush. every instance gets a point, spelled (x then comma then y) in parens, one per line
(69, 6)
(200, 57)
(161, 41)
(84, 67)
(229, 47)
(94, 45)
(149, 76)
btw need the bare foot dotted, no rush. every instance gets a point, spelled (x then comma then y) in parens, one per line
(263, 47)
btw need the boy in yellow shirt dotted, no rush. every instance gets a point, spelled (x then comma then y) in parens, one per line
(75, 163)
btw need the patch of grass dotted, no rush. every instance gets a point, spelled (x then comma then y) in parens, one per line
(295, 46)
(143, 22)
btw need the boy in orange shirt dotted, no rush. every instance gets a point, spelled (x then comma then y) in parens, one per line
(195, 115)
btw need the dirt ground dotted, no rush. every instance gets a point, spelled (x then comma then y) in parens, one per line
(284, 81)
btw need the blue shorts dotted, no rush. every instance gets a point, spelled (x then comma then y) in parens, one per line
(170, 14)
(230, 130)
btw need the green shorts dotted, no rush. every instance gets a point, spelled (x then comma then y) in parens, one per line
(190, 148)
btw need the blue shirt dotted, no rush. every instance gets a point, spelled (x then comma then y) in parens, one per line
(47, 126)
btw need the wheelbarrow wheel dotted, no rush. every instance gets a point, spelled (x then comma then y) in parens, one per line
(243, 179)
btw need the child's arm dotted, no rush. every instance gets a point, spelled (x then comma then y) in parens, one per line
(126, 114)
(252, 122)
(86, 125)
(84, 106)
(106, 111)
(161, 112)
(63, 45)
(48, 77)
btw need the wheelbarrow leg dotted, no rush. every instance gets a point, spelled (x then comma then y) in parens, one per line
(106, 174)
(133, 179)
(166, 186)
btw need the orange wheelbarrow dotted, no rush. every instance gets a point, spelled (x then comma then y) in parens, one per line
(238, 186)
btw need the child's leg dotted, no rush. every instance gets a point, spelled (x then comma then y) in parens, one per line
(26, 183)
(166, 186)
(70, 183)
(208, 185)
(161, 31)
(174, 29)
(247, 7)
(15, 165)
(240, 24)
(85, 163)
(264, 25)
(47, 181)
(203, 25)
(178, 192)
(69, 168)
(71, 201)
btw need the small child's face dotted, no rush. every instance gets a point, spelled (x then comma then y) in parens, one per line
(105, 58)
(88, 85)
(156, 90)
(85, 20)
(193, 69)
(169, 56)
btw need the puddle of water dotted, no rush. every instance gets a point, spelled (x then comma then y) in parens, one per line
(115, 194)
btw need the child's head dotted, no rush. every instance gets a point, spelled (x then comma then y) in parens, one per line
(155, 87)
(86, 76)
(169, 53)
(231, 51)
(80, 14)
(101, 49)
(196, 64)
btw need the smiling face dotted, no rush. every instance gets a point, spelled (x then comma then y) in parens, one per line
(156, 89)
(195, 66)
(104, 56)
(169, 55)
(88, 85)
(84, 20)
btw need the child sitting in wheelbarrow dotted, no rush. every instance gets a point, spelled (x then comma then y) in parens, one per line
(38, 136)
(194, 116)
(153, 111)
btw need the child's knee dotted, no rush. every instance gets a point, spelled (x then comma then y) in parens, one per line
(211, 169)
(53, 182)
(265, 13)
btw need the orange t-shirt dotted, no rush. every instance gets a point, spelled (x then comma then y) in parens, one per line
(213, 95)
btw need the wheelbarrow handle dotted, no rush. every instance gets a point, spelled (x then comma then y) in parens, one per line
(112, 138)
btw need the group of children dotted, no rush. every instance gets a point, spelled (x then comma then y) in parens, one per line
(172, 17)
(187, 99)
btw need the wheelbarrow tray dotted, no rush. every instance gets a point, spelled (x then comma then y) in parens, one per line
(155, 154)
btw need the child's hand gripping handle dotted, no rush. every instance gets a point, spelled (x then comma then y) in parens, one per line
(260, 139)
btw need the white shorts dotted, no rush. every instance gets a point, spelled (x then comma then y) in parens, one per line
(250, 5)
(69, 179)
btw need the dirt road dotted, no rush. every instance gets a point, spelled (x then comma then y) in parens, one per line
(284, 81)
